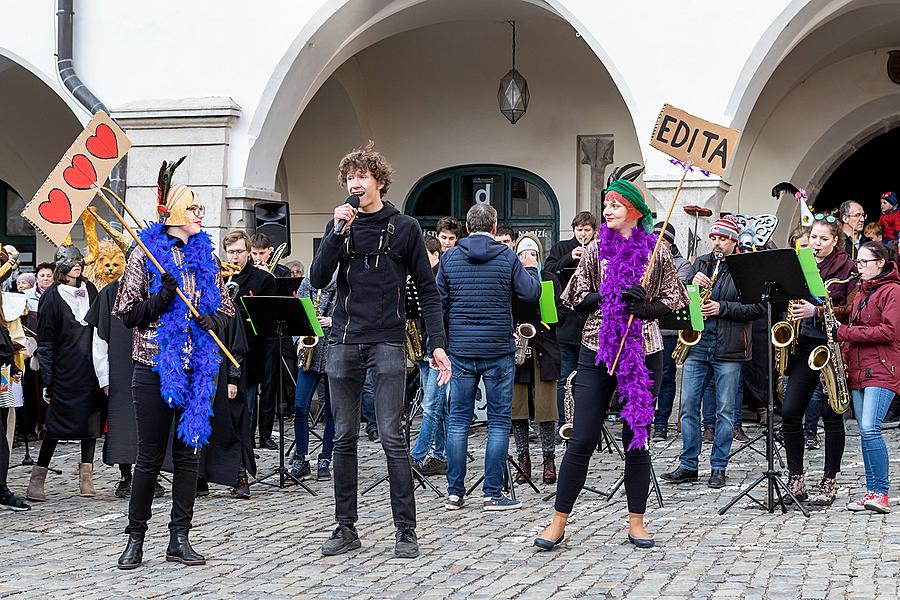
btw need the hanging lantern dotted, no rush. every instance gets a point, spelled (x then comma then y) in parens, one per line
(513, 93)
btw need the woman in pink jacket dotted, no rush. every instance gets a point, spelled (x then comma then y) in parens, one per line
(871, 349)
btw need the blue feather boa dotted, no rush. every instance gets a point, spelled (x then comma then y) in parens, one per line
(191, 392)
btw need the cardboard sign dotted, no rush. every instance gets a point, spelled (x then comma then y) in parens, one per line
(686, 137)
(72, 184)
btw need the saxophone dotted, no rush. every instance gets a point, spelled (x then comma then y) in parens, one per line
(688, 337)
(524, 332)
(828, 361)
(565, 432)
(415, 351)
(784, 339)
(308, 342)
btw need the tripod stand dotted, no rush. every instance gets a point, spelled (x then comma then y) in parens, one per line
(605, 437)
(780, 272)
(279, 315)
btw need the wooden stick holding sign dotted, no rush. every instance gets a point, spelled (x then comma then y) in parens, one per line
(74, 182)
(692, 141)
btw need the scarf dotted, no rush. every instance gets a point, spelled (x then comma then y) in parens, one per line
(622, 264)
(187, 380)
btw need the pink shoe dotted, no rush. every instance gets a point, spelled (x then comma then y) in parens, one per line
(860, 505)
(878, 503)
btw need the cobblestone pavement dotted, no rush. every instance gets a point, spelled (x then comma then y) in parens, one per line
(269, 546)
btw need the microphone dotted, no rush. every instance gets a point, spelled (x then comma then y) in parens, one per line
(352, 200)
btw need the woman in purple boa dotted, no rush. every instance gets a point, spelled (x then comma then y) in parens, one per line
(607, 286)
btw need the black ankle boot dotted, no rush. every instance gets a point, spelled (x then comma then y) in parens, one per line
(180, 550)
(134, 552)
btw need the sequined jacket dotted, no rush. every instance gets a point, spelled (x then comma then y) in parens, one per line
(664, 285)
(134, 290)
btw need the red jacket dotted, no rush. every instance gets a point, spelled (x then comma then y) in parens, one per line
(890, 223)
(871, 343)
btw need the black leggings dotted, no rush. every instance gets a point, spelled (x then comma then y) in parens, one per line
(4, 449)
(593, 388)
(801, 385)
(48, 447)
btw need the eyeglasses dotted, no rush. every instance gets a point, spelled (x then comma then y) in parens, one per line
(862, 262)
(198, 209)
(857, 215)
(826, 218)
(236, 251)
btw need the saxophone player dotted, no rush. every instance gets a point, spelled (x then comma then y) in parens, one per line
(834, 264)
(724, 345)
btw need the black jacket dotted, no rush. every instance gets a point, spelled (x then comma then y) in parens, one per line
(734, 322)
(371, 282)
(560, 263)
(544, 344)
(253, 281)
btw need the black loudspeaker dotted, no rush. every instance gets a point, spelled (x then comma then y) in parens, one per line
(274, 220)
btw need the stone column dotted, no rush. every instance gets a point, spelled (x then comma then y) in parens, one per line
(198, 128)
(708, 192)
(595, 151)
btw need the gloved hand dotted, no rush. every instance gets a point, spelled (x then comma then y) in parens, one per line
(169, 285)
(207, 322)
(647, 311)
(635, 294)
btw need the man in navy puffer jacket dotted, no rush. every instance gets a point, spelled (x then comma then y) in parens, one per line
(477, 280)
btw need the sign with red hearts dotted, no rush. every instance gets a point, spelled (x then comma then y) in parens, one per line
(72, 184)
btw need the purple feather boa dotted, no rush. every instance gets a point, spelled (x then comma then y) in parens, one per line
(626, 259)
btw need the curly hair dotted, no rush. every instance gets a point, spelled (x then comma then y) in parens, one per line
(366, 159)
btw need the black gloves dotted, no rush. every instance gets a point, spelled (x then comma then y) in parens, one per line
(634, 295)
(169, 285)
(207, 322)
(647, 312)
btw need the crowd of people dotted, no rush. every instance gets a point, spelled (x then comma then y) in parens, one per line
(165, 362)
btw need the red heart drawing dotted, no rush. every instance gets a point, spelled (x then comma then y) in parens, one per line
(56, 208)
(103, 143)
(81, 175)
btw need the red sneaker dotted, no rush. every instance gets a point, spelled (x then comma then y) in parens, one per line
(859, 505)
(878, 503)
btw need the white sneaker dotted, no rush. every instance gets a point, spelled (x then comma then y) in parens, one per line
(454, 502)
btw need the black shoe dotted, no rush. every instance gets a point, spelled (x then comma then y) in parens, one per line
(373, 435)
(433, 466)
(342, 540)
(323, 469)
(123, 488)
(812, 441)
(660, 434)
(267, 444)
(740, 436)
(549, 544)
(242, 489)
(134, 552)
(680, 475)
(11, 501)
(180, 550)
(159, 491)
(716, 479)
(300, 469)
(407, 545)
(641, 542)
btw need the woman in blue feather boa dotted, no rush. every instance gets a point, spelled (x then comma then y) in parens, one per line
(176, 360)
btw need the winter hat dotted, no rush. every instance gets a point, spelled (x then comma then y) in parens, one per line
(890, 197)
(669, 235)
(726, 227)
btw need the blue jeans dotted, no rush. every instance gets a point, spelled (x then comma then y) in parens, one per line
(666, 399)
(707, 405)
(700, 369)
(498, 374)
(568, 362)
(814, 411)
(870, 405)
(368, 404)
(307, 381)
(435, 414)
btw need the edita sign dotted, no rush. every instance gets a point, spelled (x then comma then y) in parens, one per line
(689, 138)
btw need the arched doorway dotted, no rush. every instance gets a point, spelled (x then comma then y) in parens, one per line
(522, 199)
(14, 229)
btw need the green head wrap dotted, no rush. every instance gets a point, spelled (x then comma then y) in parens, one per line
(633, 196)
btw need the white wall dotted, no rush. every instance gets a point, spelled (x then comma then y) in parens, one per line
(428, 99)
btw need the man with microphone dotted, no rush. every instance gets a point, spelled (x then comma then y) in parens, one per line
(373, 247)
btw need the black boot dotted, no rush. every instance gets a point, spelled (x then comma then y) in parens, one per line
(180, 550)
(134, 552)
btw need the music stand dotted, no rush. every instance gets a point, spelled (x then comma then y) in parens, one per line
(280, 316)
(770, 276)
(287, 286)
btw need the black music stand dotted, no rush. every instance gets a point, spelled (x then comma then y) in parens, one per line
(770, 276)
(280, 316)
(287, 286)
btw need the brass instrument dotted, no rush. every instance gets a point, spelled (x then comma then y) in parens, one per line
(308, 342)
(276, 257)
(688, 337)
(565, 432)
(524, 332)
(12, 263)
(415, 351)
(828, 361)
(784, 339)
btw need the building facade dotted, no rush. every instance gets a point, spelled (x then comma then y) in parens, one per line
(265, 98)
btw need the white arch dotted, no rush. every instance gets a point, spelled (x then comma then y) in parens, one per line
(78, 111)
(340, 29)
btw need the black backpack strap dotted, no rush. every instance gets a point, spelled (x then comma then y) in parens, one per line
(392, 254)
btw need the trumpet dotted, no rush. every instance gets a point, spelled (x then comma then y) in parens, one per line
(524, 332)
(688, 337)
